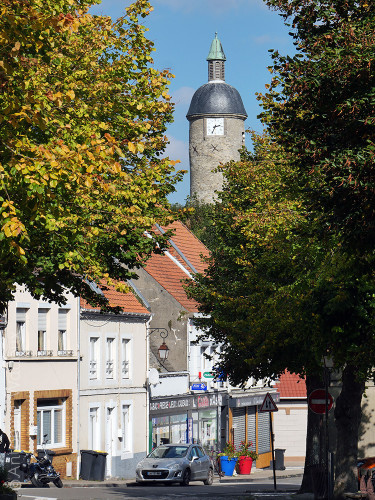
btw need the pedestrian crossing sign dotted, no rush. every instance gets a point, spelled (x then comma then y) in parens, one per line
(268, 404)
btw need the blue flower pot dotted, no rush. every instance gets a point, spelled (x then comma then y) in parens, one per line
(228, 465)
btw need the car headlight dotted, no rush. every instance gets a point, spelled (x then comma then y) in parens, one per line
(139, 465)
(174, 466)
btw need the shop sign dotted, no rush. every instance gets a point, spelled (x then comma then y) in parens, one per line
(203, 402)
(207, 401)
(199, 387)
(208, 375)
(251, 400)
(171, 404)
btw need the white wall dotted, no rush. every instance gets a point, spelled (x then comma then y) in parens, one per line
(290, 424)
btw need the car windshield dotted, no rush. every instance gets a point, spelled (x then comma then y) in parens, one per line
(169, 452)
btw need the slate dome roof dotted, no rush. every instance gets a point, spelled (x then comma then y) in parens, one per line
(217, 98)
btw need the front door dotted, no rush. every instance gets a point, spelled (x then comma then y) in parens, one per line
(109, 441)
(17, 426)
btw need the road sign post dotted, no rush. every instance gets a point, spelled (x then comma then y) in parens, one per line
(269, 406)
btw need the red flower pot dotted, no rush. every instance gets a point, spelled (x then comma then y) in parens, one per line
(244, 465)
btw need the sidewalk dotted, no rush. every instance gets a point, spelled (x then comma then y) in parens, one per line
(293, 469)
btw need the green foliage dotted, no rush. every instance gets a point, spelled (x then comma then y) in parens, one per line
(229, 451)
(320, 107)
(278, 293)
(82, 118)
(246, 451)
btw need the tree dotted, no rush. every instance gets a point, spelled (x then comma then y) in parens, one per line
(320, 108)
(82, 121)
(280, 292)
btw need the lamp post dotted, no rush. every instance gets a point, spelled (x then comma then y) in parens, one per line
(163, 349)
(328, 365)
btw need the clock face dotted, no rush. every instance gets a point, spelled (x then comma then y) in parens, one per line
(215, 126)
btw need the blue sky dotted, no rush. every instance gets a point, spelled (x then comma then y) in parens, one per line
(183, 30)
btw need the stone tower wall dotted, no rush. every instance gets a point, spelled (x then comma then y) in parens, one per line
(206, 152)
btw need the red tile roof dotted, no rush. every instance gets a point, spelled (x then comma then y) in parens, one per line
(291, 385)
(169, 274)
(189, 245)
(127, 301)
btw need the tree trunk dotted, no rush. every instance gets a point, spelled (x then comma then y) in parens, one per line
(313, 438)
(348, 414)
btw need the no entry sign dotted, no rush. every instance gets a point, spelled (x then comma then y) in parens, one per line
(317, 401)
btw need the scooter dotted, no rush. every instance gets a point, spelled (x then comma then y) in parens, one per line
(41, 472)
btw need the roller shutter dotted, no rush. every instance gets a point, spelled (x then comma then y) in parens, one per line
(251, 426)
(239, 425)
(264, 438)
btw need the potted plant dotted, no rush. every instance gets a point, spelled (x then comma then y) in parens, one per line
(228, 459)
(6, 492)
(245, 457)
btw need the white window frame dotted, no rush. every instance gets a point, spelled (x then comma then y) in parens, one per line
(21, 336)
(126, 357)
(21, 329)
(110, 365)
(53, 408)
(94, 359)
(42, 332)
(93, 436)
(62, 331)
(126, 437)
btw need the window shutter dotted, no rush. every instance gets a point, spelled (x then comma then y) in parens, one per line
(62, 319)
(264, 438)
(251, 426)
(42, 320)
(239, 423)
(21, 314)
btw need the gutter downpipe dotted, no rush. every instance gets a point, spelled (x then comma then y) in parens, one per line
(147, 387)
(78, 382)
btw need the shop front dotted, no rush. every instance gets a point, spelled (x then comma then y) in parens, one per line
(186, 419)
(247, 423)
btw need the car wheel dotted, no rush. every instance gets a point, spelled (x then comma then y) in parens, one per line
(210, 478)
(186, 478)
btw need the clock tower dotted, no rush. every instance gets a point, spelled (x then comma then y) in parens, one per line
(216, 133)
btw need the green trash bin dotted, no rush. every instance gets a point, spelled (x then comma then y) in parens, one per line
(88, 458)
(98, 470)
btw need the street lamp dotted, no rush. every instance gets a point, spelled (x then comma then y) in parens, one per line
(328, 366)
(163, 349)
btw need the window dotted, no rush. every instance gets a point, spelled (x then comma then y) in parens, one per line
(21, 330)
(94, 342)
(42, 331)
(125, 358)
(109, 364)
(94, 431)
(206, 363)
(61, 334)
(51, 422)
(126, 444)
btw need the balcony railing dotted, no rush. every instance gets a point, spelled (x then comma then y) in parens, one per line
(45, 352)
(65, 352)
(23, 354)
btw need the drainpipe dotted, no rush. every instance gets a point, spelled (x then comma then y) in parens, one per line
(78, 382)
(147, 387)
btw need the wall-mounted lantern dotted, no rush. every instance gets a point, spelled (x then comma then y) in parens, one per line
(163, 349)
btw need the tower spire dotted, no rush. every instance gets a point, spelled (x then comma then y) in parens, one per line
(216, 61)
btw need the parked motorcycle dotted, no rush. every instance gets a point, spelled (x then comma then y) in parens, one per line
(41, 472)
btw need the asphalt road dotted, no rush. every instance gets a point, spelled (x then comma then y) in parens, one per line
(196, 491)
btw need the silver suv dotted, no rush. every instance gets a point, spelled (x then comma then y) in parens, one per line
(182, 463)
